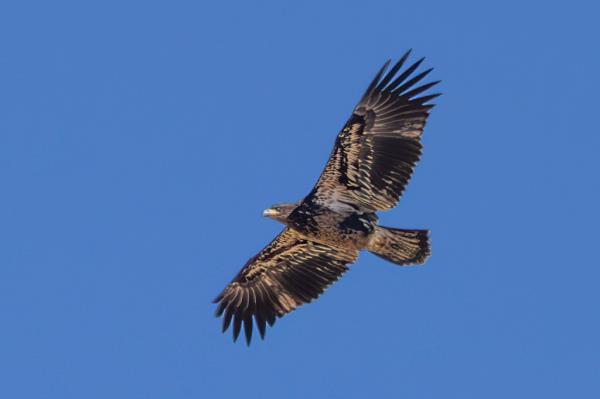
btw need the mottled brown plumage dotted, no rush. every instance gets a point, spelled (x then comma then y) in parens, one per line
(372, 161)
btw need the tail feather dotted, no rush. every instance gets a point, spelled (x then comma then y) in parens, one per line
(402, 247)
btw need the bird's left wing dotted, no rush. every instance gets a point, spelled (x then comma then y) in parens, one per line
(375, 153)
(287, 273)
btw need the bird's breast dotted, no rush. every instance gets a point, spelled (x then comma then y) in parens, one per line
(341, 230)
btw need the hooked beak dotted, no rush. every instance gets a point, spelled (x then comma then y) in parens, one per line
(270, 212)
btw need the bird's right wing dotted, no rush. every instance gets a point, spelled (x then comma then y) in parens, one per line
(287, 273)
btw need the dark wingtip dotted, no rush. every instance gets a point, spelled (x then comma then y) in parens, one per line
(418, 90)
(381, 73)
(218, 298)
(248, 329)
(405, 55)
(261, 324)
(237, 326)
(425, 99)
(220, 309)
(404, 75)
(377, 78)
(227, 319)
(392, 72)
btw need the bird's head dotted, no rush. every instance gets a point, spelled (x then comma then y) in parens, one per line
(279, 212)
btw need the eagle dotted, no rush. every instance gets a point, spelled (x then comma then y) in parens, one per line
(369, 167)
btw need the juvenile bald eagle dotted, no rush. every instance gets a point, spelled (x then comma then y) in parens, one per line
(371, 163)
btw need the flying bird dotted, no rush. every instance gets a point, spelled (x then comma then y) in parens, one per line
(371, 163)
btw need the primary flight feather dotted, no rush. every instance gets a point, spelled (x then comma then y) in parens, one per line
(372, 161)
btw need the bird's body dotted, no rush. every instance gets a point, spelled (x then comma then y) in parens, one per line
(340, 228)
(369, 167)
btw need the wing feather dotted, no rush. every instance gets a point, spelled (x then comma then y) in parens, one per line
(286, 274)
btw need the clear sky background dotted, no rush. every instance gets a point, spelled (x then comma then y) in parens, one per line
(140, 141)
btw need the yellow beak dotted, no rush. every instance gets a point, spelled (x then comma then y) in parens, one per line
(270, 212)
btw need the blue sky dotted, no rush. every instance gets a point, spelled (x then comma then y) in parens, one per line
(140, 141)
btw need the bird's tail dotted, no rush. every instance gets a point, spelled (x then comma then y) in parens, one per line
(402, 247)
